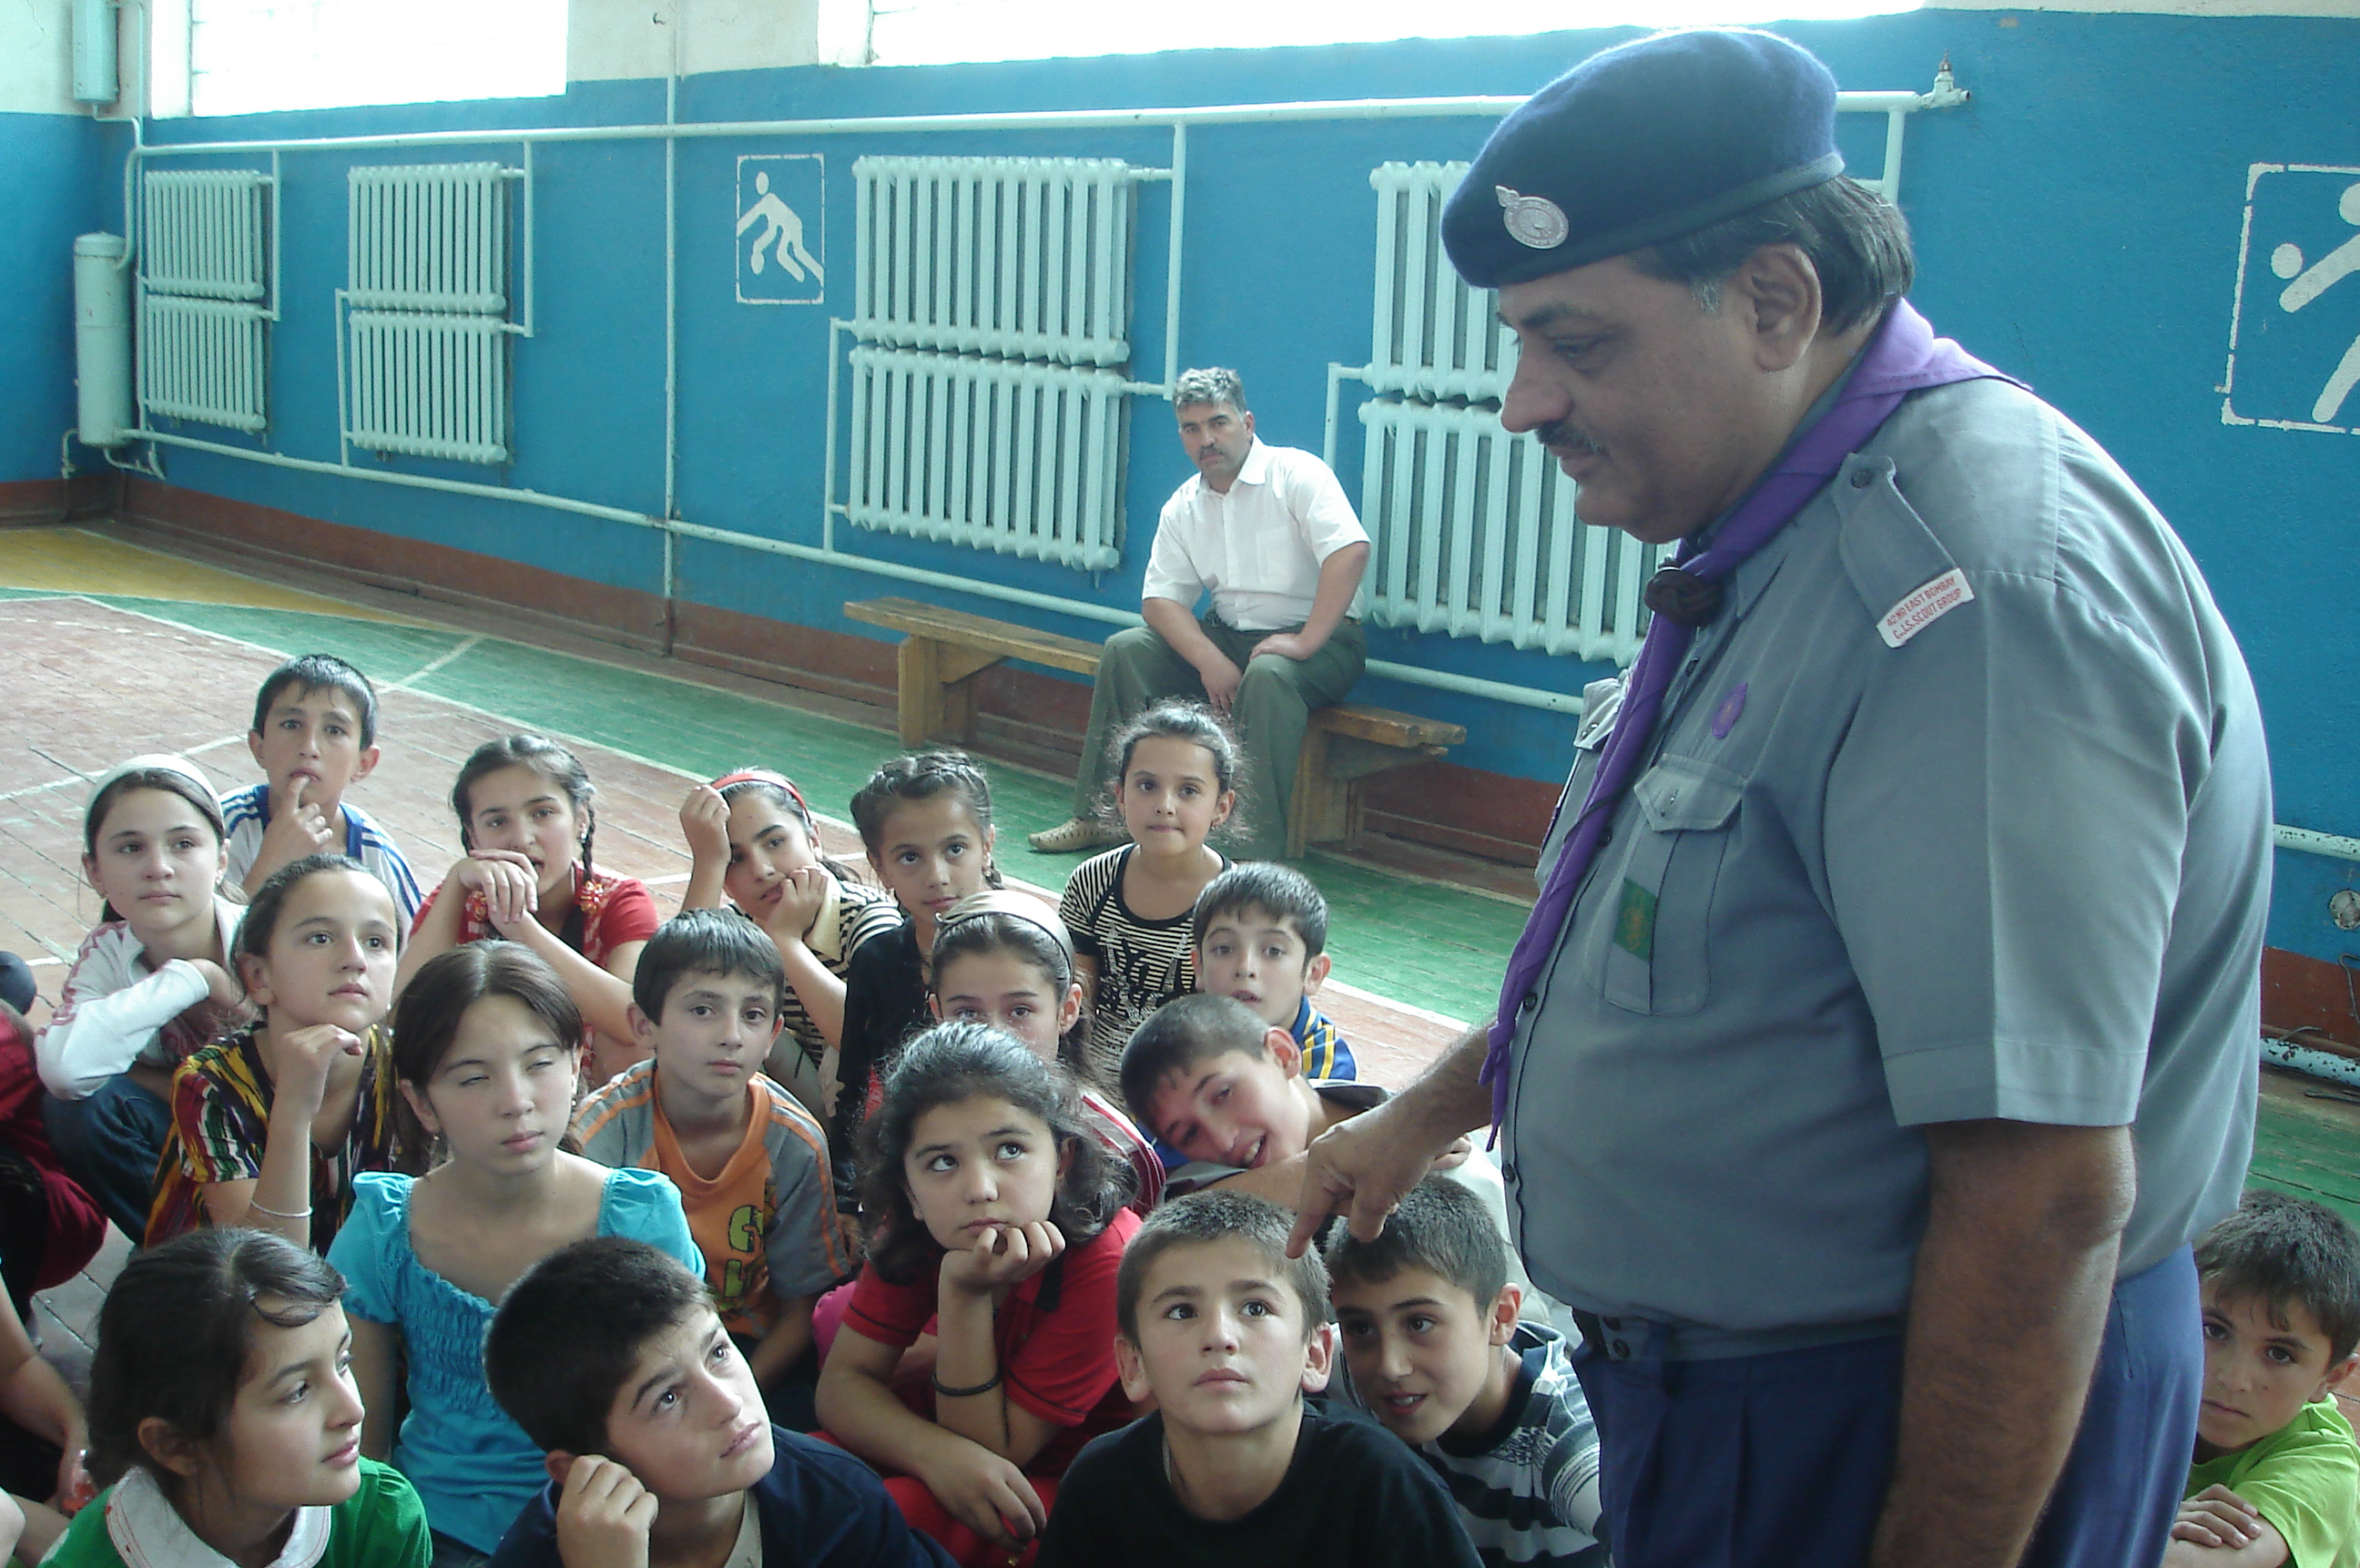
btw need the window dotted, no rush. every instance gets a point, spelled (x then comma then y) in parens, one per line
(252, 56)
(936, 32)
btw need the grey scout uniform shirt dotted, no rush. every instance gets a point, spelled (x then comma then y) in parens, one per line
(2016, 867)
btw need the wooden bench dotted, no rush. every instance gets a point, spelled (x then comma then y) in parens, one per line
(944, 649)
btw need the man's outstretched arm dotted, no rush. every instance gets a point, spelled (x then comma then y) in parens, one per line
(1364, 1167)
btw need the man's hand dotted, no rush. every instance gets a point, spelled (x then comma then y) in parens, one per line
(298, 830)
(1291, 645)
(983, 1492)
(1363, 1168)
(2218, 1517)
(1002, 1256)
(602, 1516)
(1221, 679)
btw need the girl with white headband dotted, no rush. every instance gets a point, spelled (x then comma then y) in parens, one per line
(152, 984)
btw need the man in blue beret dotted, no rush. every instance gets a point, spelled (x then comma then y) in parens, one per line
(1883, 1033)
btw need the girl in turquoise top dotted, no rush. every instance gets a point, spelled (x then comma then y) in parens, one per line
(486, 1047)
(223, 1411)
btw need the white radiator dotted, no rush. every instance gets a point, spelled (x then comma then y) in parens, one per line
(1023, 459)
(431, 386)
(991, 323)
(1434, 337)
(205, 286)
(1474, 528)
(426, 301)
(1018, 258)
(1475, 537)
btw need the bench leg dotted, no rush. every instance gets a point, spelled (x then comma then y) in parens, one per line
(1324, 808)
(920, 709)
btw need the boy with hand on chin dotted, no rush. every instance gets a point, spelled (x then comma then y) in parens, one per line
(608, 1355)
(315, 736)
(1229, 1334)
(1431, 1339)
(2277, 1477)
(751, 1163)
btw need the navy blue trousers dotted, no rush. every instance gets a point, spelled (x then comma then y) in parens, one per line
(110, 1142)
(1782, 1460)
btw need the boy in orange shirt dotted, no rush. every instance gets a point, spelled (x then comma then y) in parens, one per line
(750, 1162)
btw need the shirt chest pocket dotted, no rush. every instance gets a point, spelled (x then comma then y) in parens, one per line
(1658, 953)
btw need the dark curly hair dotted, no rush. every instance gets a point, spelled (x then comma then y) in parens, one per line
(949, 1065)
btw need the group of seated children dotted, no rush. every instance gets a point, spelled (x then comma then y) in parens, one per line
(883, 1220)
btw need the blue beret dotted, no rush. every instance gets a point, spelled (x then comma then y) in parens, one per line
(1639, 144)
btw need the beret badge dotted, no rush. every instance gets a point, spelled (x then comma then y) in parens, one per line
(1533, 221)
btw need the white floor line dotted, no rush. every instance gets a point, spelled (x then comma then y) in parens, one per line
(409, 682)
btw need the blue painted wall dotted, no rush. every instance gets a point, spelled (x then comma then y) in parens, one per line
(55, 183)
(2079, 225)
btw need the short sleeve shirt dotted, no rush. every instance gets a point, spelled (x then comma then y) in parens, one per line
(2305, 1479)
(221, 1126)
(1258, 548)
(246, 814)
(473, 1465)
(2011, 861)
(765, 1223)
(1054, 1334)
(615, 910)
(1142, 963)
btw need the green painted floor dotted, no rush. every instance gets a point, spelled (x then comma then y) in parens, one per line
(1433, 947)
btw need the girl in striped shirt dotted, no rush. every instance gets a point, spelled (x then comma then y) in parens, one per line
(752, 841)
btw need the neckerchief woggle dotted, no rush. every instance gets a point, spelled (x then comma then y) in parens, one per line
(1902, 357)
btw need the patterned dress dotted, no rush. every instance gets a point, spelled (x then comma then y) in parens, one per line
(220, 1119)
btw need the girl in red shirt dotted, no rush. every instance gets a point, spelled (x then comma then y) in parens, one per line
(997, 1212)
(525, 816)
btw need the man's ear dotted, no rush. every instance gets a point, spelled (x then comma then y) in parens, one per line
(1133, 1369)
(164, 1444)
(559, 1463)
(1316, 972)
(254, 748)
(1502, 1325)
(643, 1028)
(1246, 420)
(367, 763)
(1779, 287)
(1280, 1043)
(1319, 1358)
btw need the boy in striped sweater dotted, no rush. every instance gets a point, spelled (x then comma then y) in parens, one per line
(1435, 1353)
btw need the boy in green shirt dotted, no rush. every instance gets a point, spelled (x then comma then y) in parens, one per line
(2277, 1477)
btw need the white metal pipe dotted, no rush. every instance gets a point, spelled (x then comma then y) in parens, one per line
(2312, 1063)
(2333, 846)
(1172, 255)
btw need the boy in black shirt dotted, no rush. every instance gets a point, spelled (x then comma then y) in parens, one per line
(1230, 1334)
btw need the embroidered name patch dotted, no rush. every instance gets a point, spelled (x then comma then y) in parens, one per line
(1924, 606)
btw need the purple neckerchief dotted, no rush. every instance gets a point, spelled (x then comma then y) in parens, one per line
(1901, 356)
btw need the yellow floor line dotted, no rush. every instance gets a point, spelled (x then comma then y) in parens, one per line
(79, 561)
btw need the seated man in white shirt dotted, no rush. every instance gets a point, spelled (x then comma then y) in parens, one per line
(1266, 530)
